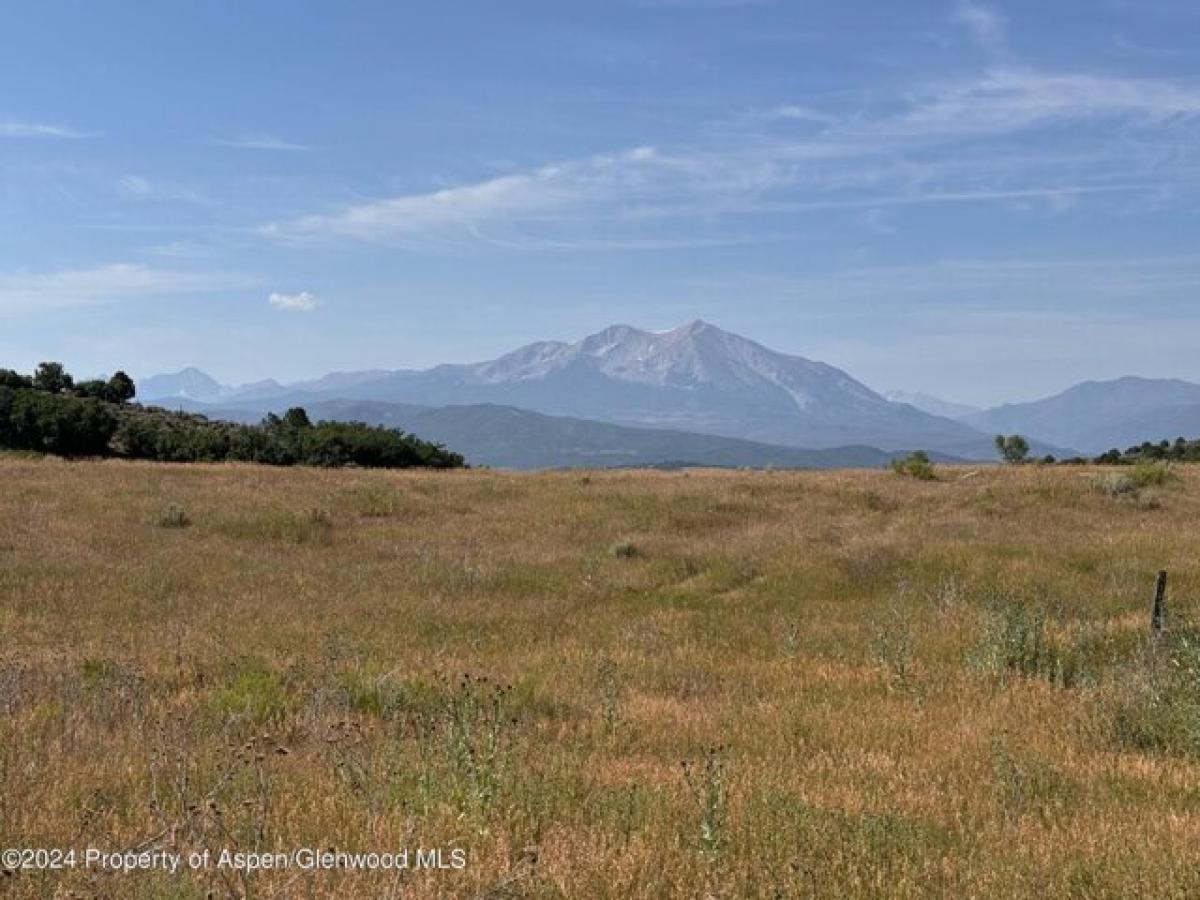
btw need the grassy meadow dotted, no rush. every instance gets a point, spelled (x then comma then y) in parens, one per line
(603, 684)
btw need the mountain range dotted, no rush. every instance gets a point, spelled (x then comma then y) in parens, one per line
(695, 379)
(1097, 415)
(694, 394)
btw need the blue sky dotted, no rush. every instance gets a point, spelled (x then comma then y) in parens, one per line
(986, 202)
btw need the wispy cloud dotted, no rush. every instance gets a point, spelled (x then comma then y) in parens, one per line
(1008, 100)
(10, 128)
(450, 212)
(960, 140)
(902, 163)
(301, 302)
(1124, 43)
(259, 141)
(140, 188)
(35, 292)
(1003, 286)
(792, 112)
(182, 249)
(988, 28)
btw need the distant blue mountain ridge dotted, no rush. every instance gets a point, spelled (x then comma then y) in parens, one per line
(699, 379)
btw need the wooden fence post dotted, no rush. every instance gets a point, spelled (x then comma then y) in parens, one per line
(1158, 614)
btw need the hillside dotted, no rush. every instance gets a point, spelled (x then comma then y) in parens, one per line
(938, 687)
(1154, 425)
(508, 437)
(1097, 415)
(48, 412)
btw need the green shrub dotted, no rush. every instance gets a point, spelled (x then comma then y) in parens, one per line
(1116, 484)
(15, 380)
(173, 516)
(366, 694)
(624, 549)
(1151, 473)
(52, 378)
(466, 744)
(892, 644)
(1013, 448)
(117, 389)
(1019, 639)
(54, 423)
(95, 672)
(708, 783)
(1143, 476)
(915, 465)
(1155, 704)
(255, 695)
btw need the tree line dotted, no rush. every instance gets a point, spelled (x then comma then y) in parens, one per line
(1014, 448)
(48, 412)
(1179, 450)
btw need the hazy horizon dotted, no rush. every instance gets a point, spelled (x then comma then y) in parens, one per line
(983, 202)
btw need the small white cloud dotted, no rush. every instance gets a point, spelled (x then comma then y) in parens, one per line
(301, 302)
(792, 112)
(258, 141)
(178, 249)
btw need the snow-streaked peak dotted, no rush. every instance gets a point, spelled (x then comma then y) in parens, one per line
(696, 355)
(186, 384)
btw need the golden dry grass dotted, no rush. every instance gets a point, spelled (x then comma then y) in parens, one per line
(286, 669)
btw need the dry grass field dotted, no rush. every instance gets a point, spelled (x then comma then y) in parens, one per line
(606, 684)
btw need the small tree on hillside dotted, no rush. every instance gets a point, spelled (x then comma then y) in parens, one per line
(117, 389)
(94, 388)
(296, 418)
(52, 378)
(1013, 448)
(121, 388)
(14, 380)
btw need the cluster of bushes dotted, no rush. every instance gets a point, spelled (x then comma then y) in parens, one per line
(1014, 450)
(916, 465)
(1130, 481)
(49, 413)
(1023, 639)
(285, 440)
(1179, 450)
(1155, 707)
(46, 423)
(52, 378)
(1146, 691)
